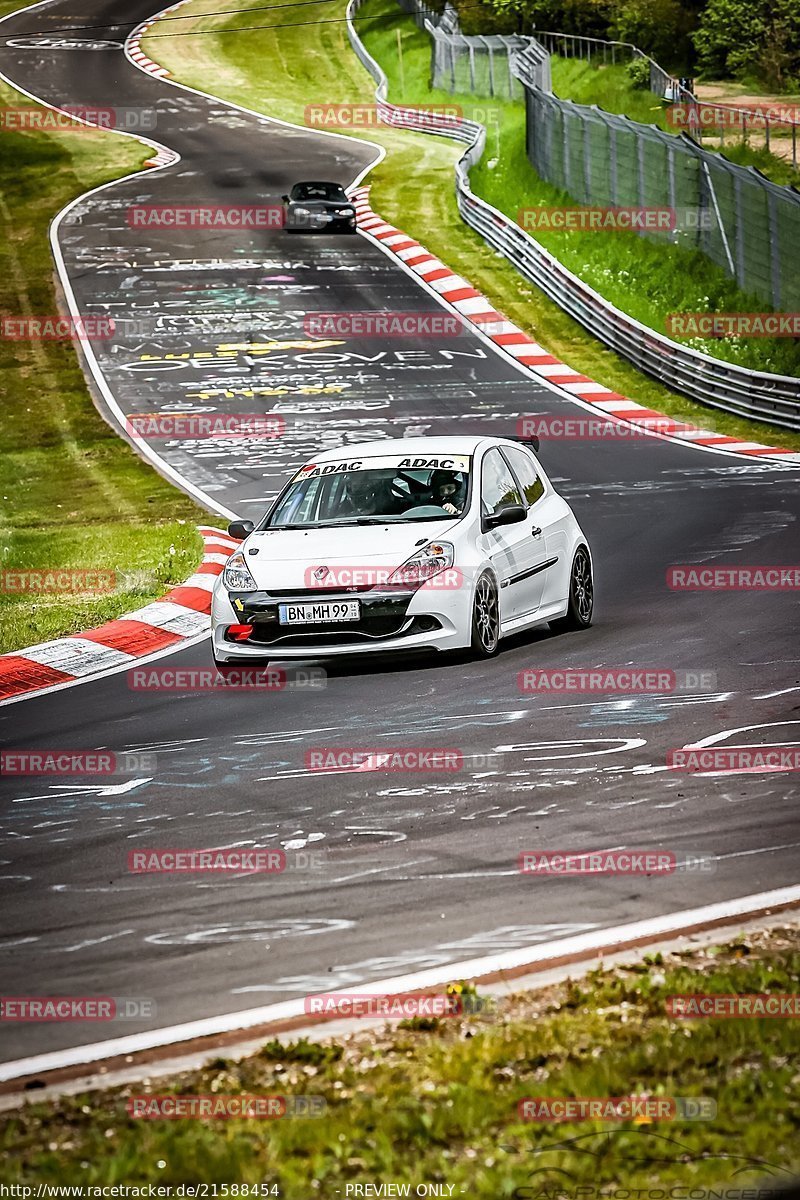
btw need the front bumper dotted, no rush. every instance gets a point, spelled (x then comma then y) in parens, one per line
(318, 222)
(390, 621)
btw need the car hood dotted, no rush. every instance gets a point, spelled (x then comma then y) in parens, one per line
(287, 556)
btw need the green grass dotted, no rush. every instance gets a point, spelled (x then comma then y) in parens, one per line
(609, 86)
(439, 1104)
(282, 71)
(73, 493)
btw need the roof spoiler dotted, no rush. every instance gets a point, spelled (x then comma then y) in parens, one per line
(531, 440)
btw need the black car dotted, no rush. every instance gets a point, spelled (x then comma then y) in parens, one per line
(319, 205)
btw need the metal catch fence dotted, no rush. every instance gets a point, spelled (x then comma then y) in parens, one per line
(756, 394)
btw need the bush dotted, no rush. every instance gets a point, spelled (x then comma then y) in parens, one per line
(638, 72)
(302, 1051)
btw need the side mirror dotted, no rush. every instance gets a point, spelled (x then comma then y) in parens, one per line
(285, 199)
(509, 514)
(530, 439)
(241, 529)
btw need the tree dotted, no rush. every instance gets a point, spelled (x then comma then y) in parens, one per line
(661, 28)
(588, 18)
(751, 38)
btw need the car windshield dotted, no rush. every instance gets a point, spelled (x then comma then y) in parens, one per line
(374, 491)
(318, 191)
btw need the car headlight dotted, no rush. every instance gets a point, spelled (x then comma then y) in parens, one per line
(345, 212)
(429, 561)
(299, 211)
(236, 576)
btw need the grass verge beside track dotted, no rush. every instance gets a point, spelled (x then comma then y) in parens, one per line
(74, 495)
(280, 72)
(436, 1100)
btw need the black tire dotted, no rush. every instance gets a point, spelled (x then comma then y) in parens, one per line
(581, 595)
(485, 638)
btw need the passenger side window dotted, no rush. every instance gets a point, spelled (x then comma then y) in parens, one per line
(497, 484)
(525, 471)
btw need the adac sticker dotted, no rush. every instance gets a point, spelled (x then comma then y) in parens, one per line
(419, 462)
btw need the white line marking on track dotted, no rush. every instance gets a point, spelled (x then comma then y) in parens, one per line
(585, 944)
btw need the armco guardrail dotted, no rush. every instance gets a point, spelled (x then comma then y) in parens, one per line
(754, 394)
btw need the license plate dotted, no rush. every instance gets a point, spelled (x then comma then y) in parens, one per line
(319, 613)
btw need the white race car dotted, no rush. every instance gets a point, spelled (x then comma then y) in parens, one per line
(437, 543)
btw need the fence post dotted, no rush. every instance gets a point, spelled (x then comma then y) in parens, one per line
(587, 163)
(471, 49)
(740, 271)
(565, 148)
(612, 145)
(640, 171)
(491, 69)
(722, 231)
(671, 181)
(774, 249)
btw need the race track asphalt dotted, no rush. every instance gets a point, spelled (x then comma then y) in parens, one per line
(416, 869)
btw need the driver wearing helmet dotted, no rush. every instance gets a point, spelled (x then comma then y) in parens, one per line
(447, 491)
(369, 493)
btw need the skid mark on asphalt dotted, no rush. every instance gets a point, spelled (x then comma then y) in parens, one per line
(744, 531)
(644, 710)
(110, 937)
(507, 937)
(593, 773)
(674, 479)
(250, 931)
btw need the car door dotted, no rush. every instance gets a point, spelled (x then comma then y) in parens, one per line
(511, 549)
(542, 528)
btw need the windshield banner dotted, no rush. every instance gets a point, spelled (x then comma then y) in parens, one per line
(419, 462)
